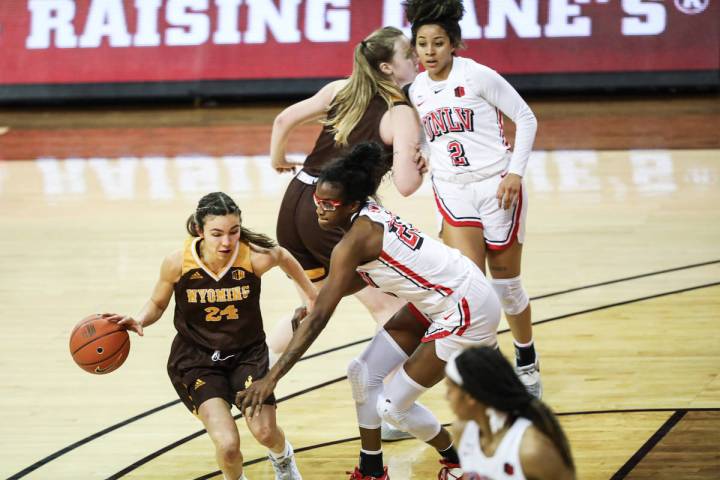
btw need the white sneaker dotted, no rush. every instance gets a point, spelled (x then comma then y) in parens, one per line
(388, 433)
(530, 377)
(285, 468)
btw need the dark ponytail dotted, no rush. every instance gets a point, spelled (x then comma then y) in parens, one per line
(219, 203)
(359, 172)
(489, 378)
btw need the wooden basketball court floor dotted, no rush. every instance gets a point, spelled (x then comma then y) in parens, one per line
(621, 258)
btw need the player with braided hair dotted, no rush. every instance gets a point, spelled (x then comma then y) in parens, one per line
(451, 305)
(477, 179)
(505, 433)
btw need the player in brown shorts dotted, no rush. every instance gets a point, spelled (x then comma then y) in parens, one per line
(367, 106)
(220, 345)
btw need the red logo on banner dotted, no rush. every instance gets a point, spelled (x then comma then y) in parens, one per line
(691, 7)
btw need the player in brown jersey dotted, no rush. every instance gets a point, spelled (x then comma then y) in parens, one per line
(220, 345)
(367, 106)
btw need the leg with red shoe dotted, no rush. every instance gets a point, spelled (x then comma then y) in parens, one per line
(395, 402)
(399, 407)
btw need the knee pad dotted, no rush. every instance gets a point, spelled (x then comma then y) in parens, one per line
(357, 374)
(397, 405)
(512, 295)
(417, 420)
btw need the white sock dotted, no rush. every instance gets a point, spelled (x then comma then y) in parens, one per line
(286, 452)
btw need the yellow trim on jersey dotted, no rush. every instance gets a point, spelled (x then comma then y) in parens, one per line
(243, 257)
(315, 273)
(191, 256)
(189, 262)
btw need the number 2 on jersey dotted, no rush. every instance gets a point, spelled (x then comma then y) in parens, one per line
(457, 154)
(214, 314)
(405, 233)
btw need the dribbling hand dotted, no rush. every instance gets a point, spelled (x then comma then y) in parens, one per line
(128, 323)
(508, 190)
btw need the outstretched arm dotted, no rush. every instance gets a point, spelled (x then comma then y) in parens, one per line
(342, 280)
(159, 300)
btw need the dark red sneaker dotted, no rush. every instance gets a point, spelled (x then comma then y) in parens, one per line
(357, 475)
(449, 471)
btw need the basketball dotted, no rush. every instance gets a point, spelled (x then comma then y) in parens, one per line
(99, 346)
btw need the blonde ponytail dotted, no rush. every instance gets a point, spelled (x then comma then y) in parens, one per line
(366, 81)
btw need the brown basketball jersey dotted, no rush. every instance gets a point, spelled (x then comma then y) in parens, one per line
(367, 129)
(218, 312)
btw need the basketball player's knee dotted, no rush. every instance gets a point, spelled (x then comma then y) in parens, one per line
(357, 373)
(416, 420)
(229, 449)
(264, 435)
(512, 295)
(362, 380)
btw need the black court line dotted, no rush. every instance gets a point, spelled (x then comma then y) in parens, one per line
(316, 387)
(649, 445)
(96, 435)
(625, 279)
(187, 438)
(297, 450)
(116, 426)
(85, 440)
(592, 412)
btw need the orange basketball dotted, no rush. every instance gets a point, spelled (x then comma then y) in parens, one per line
(99, 346)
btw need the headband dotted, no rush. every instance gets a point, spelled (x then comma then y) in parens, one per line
(451, 369)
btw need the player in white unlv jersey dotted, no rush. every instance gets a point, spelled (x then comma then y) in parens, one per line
(462, 117)
(440, 293)
(451, 306)
(505, 433)
(476, 176)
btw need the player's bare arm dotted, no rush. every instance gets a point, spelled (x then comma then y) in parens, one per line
(401, 127)
(308, 110)
(354, 249)
(263, 259)
(153, 309)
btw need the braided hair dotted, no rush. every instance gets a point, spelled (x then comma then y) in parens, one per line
(445, 13)
(359, 172)
(219, 203)
(490, 379)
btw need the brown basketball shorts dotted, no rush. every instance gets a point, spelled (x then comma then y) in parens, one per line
(298, 231)
(197, 377)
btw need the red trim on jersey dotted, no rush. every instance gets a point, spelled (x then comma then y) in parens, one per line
(515, 228)
(448, 216)
(419, 315)
(501, 124)
(367, 279)
(465, 309)
(465, 323)
(422, 281)
(435, 336)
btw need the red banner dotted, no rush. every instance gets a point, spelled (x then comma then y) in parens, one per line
(96, 41)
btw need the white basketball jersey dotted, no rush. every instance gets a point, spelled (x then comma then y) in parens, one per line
(463, 121)
(505, 462)
(414, 267)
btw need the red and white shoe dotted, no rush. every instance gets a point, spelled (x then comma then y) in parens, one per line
(357, 475)
(449, 471)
